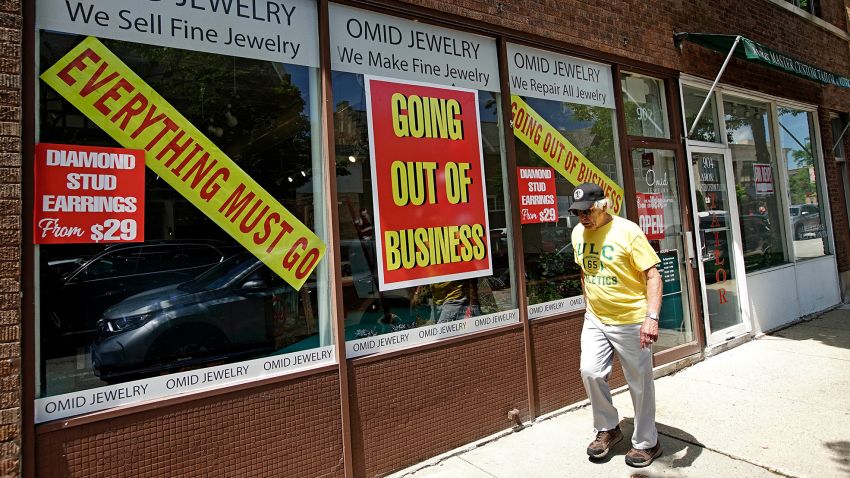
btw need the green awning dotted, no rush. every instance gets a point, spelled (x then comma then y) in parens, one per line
(751, 50)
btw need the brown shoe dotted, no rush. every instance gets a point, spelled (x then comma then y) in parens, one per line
(641, 458)
(604, 441)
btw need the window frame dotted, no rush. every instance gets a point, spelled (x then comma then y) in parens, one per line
(665, 105)
(675, 120)
(820, 179)
(774, 103)
(576, 303)
(812, 8)
(320, 225)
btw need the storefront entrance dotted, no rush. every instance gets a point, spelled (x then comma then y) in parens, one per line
(718, 260)
(660, 216)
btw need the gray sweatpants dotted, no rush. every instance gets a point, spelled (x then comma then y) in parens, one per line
(598, 344)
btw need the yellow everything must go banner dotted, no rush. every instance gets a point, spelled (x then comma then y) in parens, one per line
(110, 94)
(556, 150)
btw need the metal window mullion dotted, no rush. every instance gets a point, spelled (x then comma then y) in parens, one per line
(820, 176)
(782, 185)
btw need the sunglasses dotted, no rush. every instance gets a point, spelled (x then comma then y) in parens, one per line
(578, 213)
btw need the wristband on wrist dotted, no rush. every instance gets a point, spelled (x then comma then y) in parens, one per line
(652, 315)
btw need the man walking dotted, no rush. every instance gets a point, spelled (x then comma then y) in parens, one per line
(622, 289)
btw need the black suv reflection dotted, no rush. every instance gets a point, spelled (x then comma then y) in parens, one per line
(805, 221)
(76, 290)
(233, 310)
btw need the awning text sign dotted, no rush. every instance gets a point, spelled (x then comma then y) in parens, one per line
(111, 95)
(284, 31)
(86, 194)
(548, 143)
(756, 50)
(428, 176)
(751, 50)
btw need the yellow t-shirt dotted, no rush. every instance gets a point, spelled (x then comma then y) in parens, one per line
(613, 259)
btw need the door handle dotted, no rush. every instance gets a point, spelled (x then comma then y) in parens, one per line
(689, 248)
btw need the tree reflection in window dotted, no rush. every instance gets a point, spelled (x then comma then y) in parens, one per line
(551, 272)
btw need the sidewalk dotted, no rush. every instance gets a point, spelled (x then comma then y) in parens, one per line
(776, 406)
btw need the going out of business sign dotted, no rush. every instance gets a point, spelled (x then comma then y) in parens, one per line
(430, 200)
(557, 151)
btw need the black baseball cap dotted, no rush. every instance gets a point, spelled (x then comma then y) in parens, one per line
(585, 195)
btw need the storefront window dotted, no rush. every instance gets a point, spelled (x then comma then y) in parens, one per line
(567, 135)
(188, 307)
(421, 188)
(806, 213)
(707, 128)
(659, 215)
(756, 186)
(645, 106)
(551, 272)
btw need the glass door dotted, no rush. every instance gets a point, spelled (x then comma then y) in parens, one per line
(719, 255)
(659, 215)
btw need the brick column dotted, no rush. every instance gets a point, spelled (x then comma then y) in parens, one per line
(10, 237)
(836, 193)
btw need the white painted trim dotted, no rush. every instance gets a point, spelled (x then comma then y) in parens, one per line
(782, 182)
(823, 25)
(697, 82)
(89, 400)
(770, 269)
(823, 184)
(411, 338)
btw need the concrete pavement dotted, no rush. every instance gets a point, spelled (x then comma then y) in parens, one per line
(775, 406)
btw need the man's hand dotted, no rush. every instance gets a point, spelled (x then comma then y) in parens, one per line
(648, 332)
(654, 286)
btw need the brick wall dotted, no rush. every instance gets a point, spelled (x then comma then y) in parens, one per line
(288, 429)
(643, 31)
(10, 237)
(835, 189)
(556, 344)
(412, 406)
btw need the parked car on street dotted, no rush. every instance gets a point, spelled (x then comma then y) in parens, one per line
(239, 308)
(805, 221)
(758, 240)
(76, 290)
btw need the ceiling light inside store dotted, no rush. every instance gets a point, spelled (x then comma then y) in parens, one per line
(352, 159)
(303, 174)
(290, 179)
